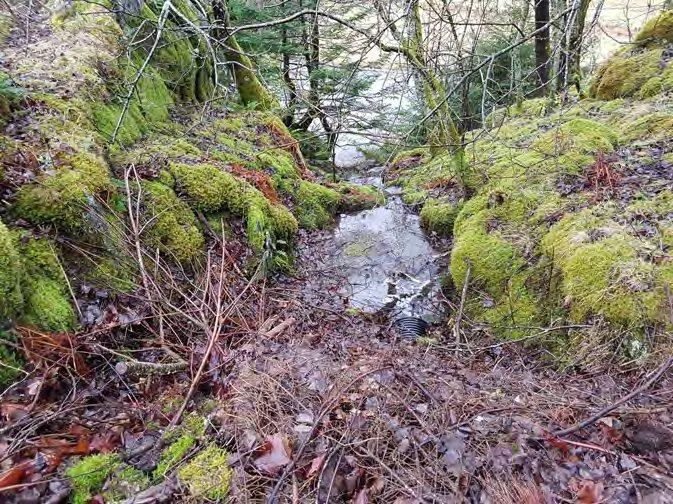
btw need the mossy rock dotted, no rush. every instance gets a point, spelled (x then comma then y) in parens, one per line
(65, 198)
(358, 197)
(11, 298)
(438, 217)
(47, 300)
(208, 475)
(172, 225)
(650, 128)
(606, 271)
(625, 73)
(641, 70)
(657, 30)
(582, 136)
(210, 189)
(315, 204)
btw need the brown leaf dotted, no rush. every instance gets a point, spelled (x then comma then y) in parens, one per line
(16, 474)
(558, 443)
(13, 412)
(589, 492)
(276, 454)
(104, 443)
(316, 465)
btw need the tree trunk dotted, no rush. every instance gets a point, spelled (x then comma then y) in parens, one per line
(571, 52)
(288, 114)
(542, 45)
(250, 89)
(311, 39)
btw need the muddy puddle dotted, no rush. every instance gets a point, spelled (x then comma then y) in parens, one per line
(380, 260)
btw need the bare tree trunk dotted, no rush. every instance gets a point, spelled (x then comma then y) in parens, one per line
(312, 62)
(288, 115)
(542, 44)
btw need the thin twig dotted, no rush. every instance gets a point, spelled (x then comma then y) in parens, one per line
(653, 379)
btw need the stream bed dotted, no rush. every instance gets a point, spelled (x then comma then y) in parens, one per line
(380, 260)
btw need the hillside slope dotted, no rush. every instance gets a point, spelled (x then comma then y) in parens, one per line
(568, 222)
(66, 185)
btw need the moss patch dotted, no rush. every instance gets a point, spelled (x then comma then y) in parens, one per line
(173, 454)
(173, 228)
(11, 361)
(90, 474)
(315, 204)
(208, 475)
(438, 217)
(658, 29)
(11, 299)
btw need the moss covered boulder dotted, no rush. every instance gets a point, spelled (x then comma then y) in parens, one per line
(556, 231)
(641, 70)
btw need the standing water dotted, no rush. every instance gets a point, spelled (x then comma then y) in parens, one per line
(381, 261)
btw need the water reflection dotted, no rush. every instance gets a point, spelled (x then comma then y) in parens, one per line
(387, 260)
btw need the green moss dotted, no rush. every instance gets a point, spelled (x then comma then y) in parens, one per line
(173, 454)
(535, 107)
(11, 362)
(158, 148)
(414, 197)
(62, 199)
(657, 30)
(358, 197)
(582, 136)
(659, 206)
(410, 158)
(11, 299)
(651, 127)
(47, 305)
(210, 189)
(438, 217)
(208, 475)
(173, 227)
(315, 204)
(280, 165)
(124, 483)
(604, 270)
(624, 74)
(154, 98)
(493, 260)
(417, 179)
(47, 301)
(132, 128)
(90, 474)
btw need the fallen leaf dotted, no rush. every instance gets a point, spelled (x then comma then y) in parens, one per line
(316, 465)
(558, 443)
(13, 412)
(589, 492)
(276, 454)
(104, 443)
(16, 474)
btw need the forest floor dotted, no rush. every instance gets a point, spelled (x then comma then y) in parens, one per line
(317, 404)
